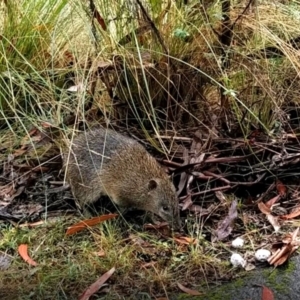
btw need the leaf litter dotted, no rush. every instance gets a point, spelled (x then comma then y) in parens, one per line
(215, 174)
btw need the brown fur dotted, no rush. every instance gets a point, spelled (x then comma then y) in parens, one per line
(103, 162)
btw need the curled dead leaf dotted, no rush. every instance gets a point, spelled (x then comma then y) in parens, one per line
(272, 201)
(23, 251)
(263, 208)
(291, 215)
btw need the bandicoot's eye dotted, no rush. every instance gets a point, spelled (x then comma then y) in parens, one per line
(166, 208)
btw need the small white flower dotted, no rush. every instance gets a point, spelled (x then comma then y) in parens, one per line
(262, 254)
(237, 260)
(238, 243)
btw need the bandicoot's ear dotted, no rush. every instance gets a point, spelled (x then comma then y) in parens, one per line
(152, 184)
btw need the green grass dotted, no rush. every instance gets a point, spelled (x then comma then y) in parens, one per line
(67, 265)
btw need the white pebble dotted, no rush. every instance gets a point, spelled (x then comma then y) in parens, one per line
(237, 260)
(238, 243)
(262, 254)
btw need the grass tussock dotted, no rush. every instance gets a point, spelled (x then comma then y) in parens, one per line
(160, 65)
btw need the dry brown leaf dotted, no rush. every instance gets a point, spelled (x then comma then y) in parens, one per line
(291, 215)
(281, 260)
(281, 189)
(272, 201)
(287, 239)
(263, 208)
(93, 288)
(19, 152)
(220, 196)
(184, 175)
(225, 226)
(6, 191)
(273, 220)
(281, 255)
(16, 193)
(267, 294)
(187, 290)
(23, 251)
(287, 248)
(87, 223)
(184, 240)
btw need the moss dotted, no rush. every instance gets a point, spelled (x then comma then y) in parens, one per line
(223, 292)
(279, 278)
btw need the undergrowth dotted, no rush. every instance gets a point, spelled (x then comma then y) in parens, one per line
(159, 68)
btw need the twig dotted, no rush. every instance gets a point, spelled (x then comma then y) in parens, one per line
(155, 30)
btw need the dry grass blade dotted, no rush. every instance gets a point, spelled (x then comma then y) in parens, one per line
(93, 288)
